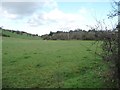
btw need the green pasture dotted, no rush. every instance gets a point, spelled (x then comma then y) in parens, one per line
(52, 64)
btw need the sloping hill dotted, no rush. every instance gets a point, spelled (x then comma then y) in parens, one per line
(18, 34)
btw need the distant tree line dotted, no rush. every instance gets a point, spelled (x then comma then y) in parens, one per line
(79, 34)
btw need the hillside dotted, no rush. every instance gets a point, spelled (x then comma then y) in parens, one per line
(18, 34)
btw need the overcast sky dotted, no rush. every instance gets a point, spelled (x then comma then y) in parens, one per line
(42, 16)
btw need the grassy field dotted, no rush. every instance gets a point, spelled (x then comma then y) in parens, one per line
(52, 64)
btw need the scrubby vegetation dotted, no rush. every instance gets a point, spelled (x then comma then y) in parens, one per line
(79, 34)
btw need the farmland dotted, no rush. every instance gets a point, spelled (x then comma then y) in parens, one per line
(28, 63)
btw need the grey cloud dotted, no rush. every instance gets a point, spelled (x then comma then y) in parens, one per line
(40, 20)
(21, 8)
(37, 20)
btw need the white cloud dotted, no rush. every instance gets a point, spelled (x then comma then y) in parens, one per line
(56, 16)
(83, 11)
(51, 4)
(8, 15)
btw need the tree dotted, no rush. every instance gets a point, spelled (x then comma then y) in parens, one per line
(116, 12)
(110, 44)
(51, 33)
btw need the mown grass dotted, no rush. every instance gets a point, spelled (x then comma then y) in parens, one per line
(52, 64)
